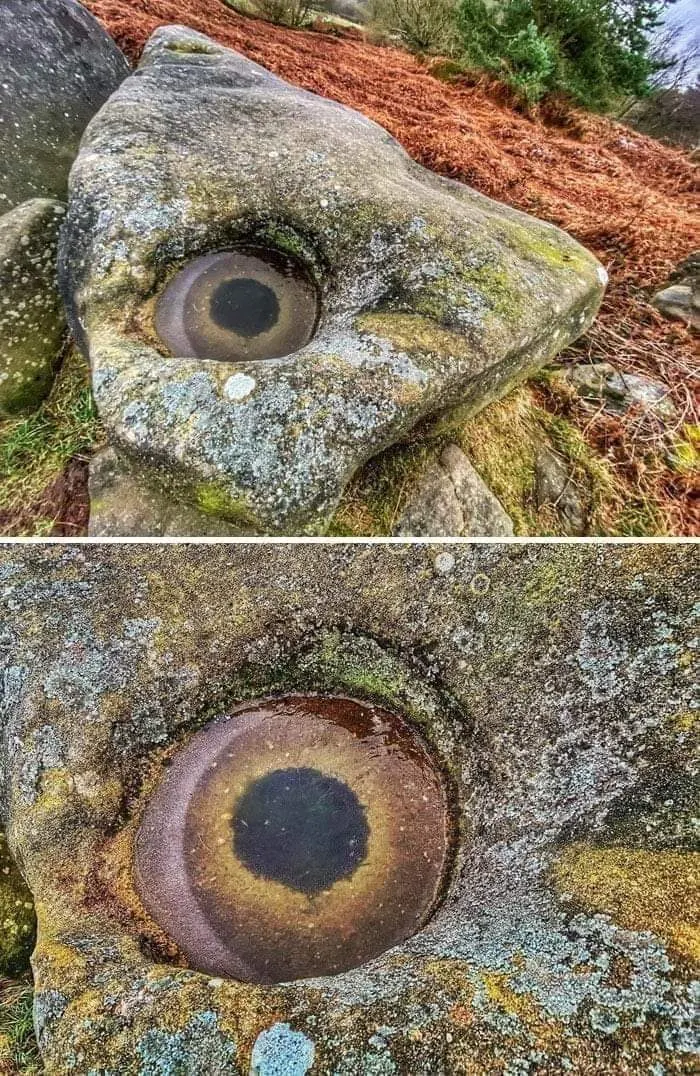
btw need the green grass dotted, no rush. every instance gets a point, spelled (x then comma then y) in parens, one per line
(34, 450)
(19, 1053)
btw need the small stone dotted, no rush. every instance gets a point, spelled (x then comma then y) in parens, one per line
(555, 488)
(679, 303)
(601, 383)
(452, 500)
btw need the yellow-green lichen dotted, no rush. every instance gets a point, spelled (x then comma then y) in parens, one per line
(658, 891)
(214, 500)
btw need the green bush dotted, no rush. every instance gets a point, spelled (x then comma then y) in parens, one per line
(421, 25)
(594, 51)
(293, 13)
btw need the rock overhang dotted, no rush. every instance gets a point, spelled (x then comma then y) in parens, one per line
(431, 294)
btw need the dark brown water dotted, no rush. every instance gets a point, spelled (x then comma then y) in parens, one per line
(238, 305)
(294, 837)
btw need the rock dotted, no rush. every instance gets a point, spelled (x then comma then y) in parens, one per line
(451, 500)
(552, 682)
(58, 66)
(681, 299)
(618, 392)
(125, 504)
(555, 488)
(679, 302)
(419, 294)
(32, 320)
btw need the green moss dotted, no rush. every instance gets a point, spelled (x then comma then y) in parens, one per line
(685, 456)
(214, 500)
(17, 919)
(531, 243)
(34, 451)
(503, 441)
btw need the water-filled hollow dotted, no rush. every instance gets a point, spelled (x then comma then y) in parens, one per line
(250, 304)
(295, 837)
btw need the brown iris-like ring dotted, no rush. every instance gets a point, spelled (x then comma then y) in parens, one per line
(294, 837)
(238, 305)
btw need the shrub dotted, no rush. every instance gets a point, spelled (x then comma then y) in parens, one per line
(292, 13)
(421, 25)
(594, 51)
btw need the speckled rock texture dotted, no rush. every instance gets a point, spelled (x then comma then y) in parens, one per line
(431, 295)
(680, 300)
(57, 67)
(555, 687)
(601, 384)
(32, 320)
(451, 500)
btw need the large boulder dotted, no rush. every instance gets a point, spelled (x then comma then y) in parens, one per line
(57, 67)
(32, 319)
(554, 686)
(360, 292)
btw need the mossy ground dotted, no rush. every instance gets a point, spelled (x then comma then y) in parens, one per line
(502, 442)
(35, 450)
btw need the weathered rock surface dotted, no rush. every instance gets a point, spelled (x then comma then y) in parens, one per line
(430, 294)
(57, 67)
(600, 383)
(681, 299)
(555, 684)
(555, 488)
(452, 500)
(32, 319)
(123, 503)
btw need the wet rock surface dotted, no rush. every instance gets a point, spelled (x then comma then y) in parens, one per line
(430, 294)
(58, 67)
(32, 320)
(451, 500)
(555, 689)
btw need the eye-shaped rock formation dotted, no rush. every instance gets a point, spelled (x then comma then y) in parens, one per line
(553, 687)
(270, 291)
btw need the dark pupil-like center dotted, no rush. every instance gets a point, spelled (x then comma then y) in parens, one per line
(301, 828)
(244, 306)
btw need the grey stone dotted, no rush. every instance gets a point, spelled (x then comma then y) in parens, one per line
(123, 503)
(680, 300)
(431, 295)
(352, 10)
(57, 67)
(32, 320)
(452, 500)
(618, 392)
(680, 303)
(555, 488)
(552, 682)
